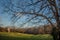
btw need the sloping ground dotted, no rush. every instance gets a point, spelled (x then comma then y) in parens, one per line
(20, 36)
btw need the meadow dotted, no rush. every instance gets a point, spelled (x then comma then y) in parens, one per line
(21, 36)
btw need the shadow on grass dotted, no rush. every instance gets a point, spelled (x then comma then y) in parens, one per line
(23, 38)
(11, 38)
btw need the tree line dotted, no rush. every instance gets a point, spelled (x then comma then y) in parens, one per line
(46, 29)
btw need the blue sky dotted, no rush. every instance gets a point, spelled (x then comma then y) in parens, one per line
(5, 20)
(5, 17)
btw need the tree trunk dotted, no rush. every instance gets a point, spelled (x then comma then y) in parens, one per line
(54, 34)
(56, 30)
(59, 35)
(59, 29)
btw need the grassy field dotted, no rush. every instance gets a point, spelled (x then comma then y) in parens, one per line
(20, 36)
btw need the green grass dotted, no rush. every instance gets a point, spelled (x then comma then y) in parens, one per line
(21, 36)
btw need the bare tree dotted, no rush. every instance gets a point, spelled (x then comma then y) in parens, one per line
(38, 9)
